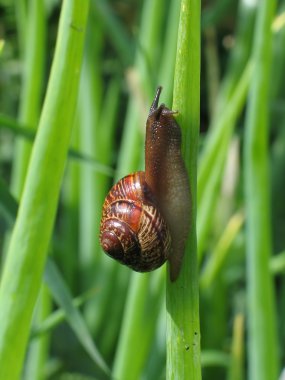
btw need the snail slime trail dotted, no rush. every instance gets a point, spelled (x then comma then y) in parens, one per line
(146, 215)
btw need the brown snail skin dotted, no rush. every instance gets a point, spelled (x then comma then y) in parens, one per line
(146, 215)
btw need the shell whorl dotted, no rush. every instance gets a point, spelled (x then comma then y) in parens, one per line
(132, 229)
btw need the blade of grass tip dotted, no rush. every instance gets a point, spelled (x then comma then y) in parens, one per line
(182, 301)
(62, 296)
(33, 228)
(32, 84)
(262, 353)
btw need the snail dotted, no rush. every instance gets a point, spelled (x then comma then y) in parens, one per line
(146, 215)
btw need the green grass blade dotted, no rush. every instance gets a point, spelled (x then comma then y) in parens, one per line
(26, 132)
(219, 254)
(21, 12)
(39, 348)
(2, 44)
(60, 292)
(140, 291)
(213, 159)
(239, 57)
(8, 204)
(213, 14)
(166, 69)
(143, 304)
(59, 316)
(146, 61)
(98, 269)
(183, 329)
(95, 165)
(32, 85)
(116, 31)
(262, 353)
(63, 298)
(222, 130)
(214, 358)
(31, 235)
(277, 264)
(236, 368)
(92, 191)
(17, 128)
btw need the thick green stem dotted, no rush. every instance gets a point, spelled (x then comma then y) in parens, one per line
(183, 327)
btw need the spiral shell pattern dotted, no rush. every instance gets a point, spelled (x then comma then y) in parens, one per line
(132, 228)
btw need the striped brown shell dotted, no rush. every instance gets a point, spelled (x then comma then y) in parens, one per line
(132, 229)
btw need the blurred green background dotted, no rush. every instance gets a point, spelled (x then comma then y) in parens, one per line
(130, 49)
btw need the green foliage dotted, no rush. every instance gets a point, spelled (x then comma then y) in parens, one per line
(66, 136)
(261, 301)
(29, 242)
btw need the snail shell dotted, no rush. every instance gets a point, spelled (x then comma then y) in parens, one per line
(133, 230)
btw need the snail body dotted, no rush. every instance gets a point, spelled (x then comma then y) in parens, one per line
(146, 215)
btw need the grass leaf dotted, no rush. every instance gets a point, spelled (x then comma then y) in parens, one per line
(29, 242)
(62, 296)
